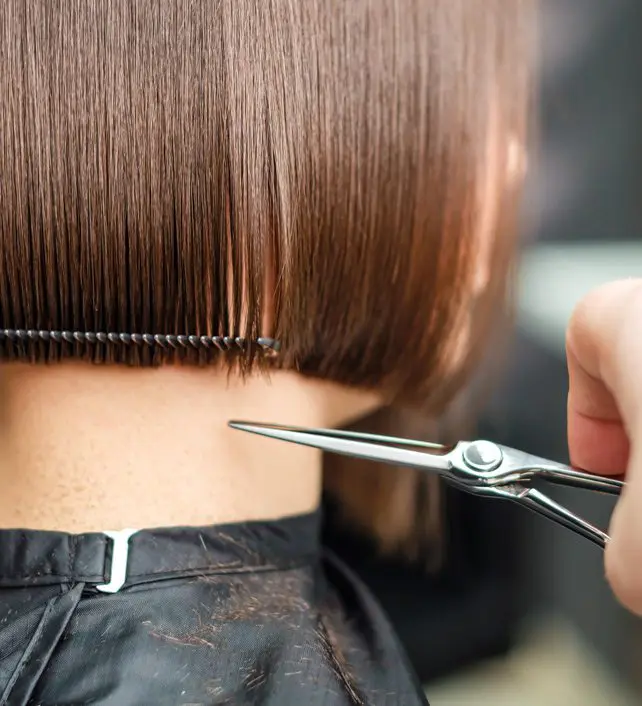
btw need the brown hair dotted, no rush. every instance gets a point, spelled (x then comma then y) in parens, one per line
(307, 170)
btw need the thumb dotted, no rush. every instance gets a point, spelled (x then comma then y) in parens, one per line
(623, 556)
(604, 345)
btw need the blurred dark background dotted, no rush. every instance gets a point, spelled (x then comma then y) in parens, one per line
(509, 570)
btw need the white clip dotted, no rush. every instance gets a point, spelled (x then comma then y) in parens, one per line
(120, 554)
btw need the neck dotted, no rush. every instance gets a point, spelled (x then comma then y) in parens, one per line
(90, 448)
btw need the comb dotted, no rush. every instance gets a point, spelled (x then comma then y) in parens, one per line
(167, 341)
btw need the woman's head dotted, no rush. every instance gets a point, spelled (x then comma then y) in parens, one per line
(319, 172)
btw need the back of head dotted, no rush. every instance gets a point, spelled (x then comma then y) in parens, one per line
(310, 171)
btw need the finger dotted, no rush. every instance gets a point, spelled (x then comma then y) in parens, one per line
(596, 437)
(601, 368)
(597, 445)
(605, 400)
(623, 555)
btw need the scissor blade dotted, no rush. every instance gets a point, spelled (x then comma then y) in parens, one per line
(384, 449)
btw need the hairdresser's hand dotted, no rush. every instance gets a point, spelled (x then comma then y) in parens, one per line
(604, 348)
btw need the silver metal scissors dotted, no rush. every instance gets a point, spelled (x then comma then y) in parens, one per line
(477, 467)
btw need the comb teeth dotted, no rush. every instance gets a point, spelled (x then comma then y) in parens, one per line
(168, 341)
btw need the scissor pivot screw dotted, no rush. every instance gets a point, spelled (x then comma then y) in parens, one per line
(483, 456)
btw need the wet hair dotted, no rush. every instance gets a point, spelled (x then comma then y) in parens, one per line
(304, 170)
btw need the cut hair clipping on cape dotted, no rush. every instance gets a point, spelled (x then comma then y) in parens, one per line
(177, 342)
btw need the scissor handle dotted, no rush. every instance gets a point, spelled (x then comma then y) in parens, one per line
(543, 505)
(585, 481)
(521, 467)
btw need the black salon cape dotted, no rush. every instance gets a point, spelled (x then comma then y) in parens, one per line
(242, 614)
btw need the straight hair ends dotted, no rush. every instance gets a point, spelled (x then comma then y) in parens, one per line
(300, 169)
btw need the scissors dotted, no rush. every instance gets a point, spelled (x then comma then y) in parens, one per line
(477, 467)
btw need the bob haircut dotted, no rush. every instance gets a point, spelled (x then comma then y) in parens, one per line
(308, 170)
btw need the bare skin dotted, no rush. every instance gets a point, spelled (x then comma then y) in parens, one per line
(89, 448)
(604, 345)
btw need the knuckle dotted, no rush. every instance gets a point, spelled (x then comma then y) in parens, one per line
(582, 321)
(597, 319)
